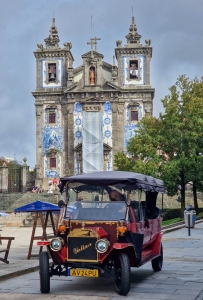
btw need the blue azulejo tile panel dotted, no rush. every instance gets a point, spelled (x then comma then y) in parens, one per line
(52, 138)
(129, 132)
(77, 124)
(107, 131)
(51, 173)
(77, 164)
(109, 162)
(78, 137)
(140, 112)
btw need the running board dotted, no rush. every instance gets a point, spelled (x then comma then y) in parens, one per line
(147, 255)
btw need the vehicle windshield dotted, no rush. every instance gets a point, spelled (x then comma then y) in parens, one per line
(93, 211)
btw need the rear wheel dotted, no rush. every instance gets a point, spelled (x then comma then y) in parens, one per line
(122, 274)
(44, 272)
(158, 261)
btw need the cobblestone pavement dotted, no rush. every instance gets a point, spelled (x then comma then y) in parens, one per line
(180, 278)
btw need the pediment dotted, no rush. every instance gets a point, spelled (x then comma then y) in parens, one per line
(105, 147)
(133, 104)
(51, 152)
(95, 54)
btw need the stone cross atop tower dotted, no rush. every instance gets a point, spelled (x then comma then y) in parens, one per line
(53, 39)
(133, 37)
(93, 41)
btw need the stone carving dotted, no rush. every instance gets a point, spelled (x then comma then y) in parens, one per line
(67, 46)
(148, 42)
(52, 152)
(148, 108)
(92, 107)
(119, 43)
(53, 39)
(70, 74)
(40, 47)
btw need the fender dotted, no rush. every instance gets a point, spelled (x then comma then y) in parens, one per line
(122, 245)
(129, 249)
(156, 245)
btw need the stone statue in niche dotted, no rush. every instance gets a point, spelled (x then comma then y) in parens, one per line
(92, 75)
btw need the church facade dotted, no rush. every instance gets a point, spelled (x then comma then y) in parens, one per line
(84, 115)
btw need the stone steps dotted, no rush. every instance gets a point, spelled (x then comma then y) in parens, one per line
(9, 202)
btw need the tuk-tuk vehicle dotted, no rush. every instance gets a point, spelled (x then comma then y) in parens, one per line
(102, 236)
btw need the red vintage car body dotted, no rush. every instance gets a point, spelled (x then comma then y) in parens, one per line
(96, 241)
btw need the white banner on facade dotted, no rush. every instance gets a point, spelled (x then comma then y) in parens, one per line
(92, 147)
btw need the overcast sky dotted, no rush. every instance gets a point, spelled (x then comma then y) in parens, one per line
(175, 28)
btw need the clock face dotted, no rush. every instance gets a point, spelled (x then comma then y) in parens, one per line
(132, 70)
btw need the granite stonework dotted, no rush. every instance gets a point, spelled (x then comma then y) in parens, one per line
(113, 90)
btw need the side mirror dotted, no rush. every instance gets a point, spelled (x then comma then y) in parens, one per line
(61, 203)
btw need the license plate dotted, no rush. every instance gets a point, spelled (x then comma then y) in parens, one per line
(83, 273)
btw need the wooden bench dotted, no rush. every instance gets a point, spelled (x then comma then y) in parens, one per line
(9, 239)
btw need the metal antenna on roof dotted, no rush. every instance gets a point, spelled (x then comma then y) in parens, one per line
(91, 26)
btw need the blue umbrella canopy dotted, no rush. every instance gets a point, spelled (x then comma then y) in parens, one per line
(37, 206)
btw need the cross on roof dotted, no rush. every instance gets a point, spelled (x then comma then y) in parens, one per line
(93, 41)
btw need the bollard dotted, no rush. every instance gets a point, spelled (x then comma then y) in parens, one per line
(188, 224)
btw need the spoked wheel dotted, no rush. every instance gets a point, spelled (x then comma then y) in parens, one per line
(158, 261)
(44, 272)
(122, 274)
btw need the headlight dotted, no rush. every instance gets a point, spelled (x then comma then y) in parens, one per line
(102, 245)
(56, 244)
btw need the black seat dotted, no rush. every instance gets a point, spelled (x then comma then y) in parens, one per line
(153, 213)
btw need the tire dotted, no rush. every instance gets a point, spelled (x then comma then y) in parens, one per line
(44, 272)
(158, 261)
(122, 274)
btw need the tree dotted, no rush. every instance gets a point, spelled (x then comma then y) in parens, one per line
(177, 133)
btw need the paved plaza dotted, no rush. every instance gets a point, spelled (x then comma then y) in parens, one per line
(180, 278)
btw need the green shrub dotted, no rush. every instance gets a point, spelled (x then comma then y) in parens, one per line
(172, 213)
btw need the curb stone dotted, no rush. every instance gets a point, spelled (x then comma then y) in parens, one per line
(18, 273)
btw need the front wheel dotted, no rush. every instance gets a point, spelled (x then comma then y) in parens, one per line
(122, 274)
(44, 272)
(158, 261)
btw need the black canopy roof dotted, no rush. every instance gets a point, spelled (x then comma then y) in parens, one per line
(131, 180)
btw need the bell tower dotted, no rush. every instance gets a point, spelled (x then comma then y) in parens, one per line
(134, 66)
(54, 73)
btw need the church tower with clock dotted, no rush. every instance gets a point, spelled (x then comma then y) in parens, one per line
(84, 115)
